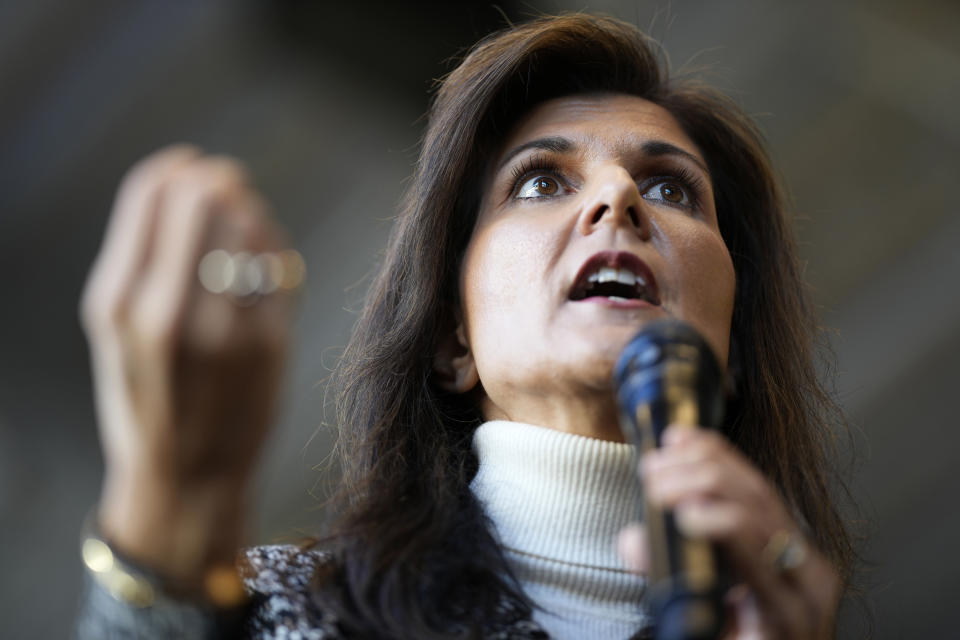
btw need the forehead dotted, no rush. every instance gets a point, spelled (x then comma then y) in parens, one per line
(605, 122)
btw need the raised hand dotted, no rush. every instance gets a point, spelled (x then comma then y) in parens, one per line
(186, 380)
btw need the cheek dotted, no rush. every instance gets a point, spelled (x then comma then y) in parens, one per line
(503, 286)
(707, 288)
(486, 285)
(506, 263)
(489, 276)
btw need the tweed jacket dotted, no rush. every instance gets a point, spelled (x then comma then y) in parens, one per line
(277, 578)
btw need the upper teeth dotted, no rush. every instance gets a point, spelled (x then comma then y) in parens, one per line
(623, 276)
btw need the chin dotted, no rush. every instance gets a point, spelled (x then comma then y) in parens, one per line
(590, 360)
(606, 342)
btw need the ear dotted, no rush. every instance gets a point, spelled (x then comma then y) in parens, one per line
(453, 366)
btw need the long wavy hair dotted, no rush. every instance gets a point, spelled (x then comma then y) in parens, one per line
(414, 556)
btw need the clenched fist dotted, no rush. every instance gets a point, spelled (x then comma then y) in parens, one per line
(186, 380)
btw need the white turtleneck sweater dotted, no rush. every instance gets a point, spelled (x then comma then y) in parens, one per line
(557, 502)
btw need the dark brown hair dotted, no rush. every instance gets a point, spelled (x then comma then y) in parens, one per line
(414, 556)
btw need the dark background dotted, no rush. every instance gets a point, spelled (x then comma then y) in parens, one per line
(860, 102)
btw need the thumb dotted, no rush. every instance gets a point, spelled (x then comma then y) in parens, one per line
(632, 545)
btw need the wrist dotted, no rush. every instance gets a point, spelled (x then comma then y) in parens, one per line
(181, 531)
(134, 584)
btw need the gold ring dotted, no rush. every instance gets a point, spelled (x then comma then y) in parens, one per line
(785, 551)
(245, 277)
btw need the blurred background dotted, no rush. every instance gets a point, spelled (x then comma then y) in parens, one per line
(323, 101)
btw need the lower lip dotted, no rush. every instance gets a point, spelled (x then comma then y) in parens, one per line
(623, 303)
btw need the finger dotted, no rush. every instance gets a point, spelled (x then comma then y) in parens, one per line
(680, 438)
(128, 237)
(169, 278)
(711, 479)
(632, 546)
(238, 224)
(676, 434)
(717, 494)
(702, 468)
(739, 532)
(743, 615)
(684, 445)
(667, 487)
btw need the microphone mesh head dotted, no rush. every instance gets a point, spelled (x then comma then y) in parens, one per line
(665, 358)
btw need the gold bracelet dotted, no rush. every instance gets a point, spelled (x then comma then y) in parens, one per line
(221, 586)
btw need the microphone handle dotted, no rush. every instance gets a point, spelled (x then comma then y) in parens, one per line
(684, 581)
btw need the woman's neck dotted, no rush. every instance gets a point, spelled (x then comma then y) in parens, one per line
(594, 417)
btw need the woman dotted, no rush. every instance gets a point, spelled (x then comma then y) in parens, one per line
(485, 476)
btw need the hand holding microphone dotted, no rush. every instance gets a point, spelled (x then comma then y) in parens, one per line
(705, 502)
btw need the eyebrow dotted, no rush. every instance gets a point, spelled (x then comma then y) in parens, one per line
(559, 144)
(656, 148)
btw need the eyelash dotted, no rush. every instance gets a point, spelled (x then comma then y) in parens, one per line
(529, 167)
(691, 183)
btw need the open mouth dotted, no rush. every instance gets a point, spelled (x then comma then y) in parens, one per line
(616, 275)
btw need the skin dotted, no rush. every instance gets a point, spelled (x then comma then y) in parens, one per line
(547, 360)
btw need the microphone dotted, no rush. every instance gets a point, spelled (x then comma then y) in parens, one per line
(667, 374)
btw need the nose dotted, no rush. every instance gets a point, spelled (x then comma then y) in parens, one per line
(613, 199)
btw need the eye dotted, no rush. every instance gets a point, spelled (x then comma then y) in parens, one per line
(669, 192)
(538, 187)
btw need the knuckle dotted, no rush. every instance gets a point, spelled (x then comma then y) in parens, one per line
(737, 520)
(87, 309)
(711, 476)
(219, 174)
(138, 176)
(710, 443)
(153, 168)
(154, 330)
(229, 167)
(106, 317)
(157, 336)
(206, 185)
(113, 315)
(98, 313)
(696, 446)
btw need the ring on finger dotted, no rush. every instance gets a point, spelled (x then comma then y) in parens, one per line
(785, 551)
(245, 277)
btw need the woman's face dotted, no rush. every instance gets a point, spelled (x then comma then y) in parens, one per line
(597, 218)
